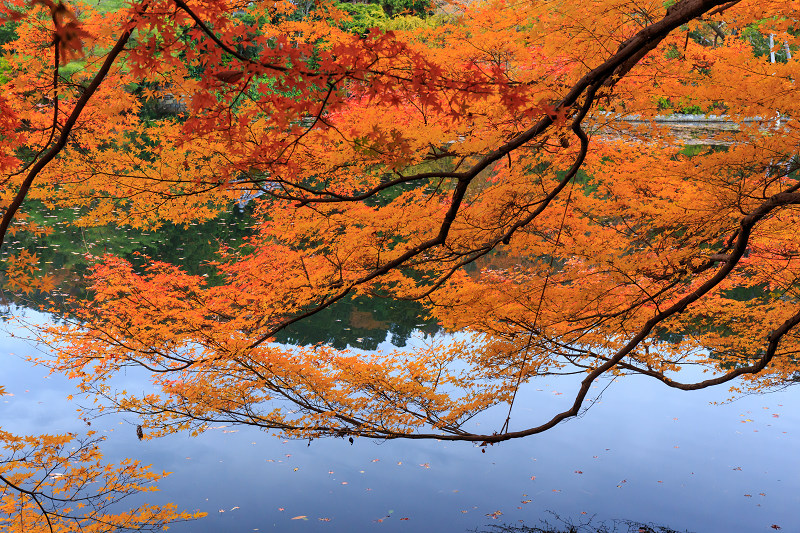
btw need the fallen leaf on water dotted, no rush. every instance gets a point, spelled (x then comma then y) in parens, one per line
(533, 477)
(324, 519)
(375, 460)
(578, 472)
(748, 495)
(526, 501)
(234, 508)
(425, 465)
(404, 518)
(739, 468)
(775, 526)
(301, 517)
(281, 509)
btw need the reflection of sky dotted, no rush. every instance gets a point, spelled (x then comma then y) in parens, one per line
(644, 453)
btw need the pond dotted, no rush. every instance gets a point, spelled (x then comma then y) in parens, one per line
(643, 453)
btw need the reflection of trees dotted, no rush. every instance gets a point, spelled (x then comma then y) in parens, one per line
(67, 252)
(586, 525)
(362, 323)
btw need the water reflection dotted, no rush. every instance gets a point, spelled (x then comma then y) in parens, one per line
(361, 323)
(68, 252)
(558, 524)
(645, 453)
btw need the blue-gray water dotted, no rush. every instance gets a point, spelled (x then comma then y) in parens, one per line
(644, 453)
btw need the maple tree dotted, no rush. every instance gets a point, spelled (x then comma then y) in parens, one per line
(58, 483)
(480, 164)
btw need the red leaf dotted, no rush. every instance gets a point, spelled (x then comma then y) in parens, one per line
(229, 76)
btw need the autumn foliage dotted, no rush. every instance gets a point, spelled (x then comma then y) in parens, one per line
(484, 165)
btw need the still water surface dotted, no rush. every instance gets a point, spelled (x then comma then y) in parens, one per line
(643, 453)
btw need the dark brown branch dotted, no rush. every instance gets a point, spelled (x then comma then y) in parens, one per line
(723, 7)
(48, 156)
(204, 27)
(32, 495)
(648, 38)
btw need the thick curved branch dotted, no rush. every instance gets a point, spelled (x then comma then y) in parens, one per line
(629, 51)
(32, 495)
(48, 156)
(444, 229)
(737, 251)
(211, 35)
(746, 227)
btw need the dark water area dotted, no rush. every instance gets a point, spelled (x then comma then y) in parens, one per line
(69, 251)
(361, 323)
